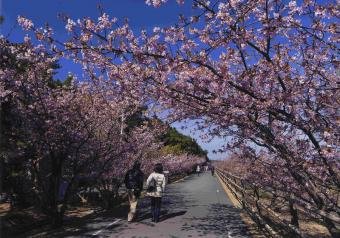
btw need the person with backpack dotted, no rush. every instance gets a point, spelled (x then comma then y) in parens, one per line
(155, 189)
(134, 185)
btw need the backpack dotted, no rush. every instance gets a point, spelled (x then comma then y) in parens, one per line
(152, 186)
(133, 179)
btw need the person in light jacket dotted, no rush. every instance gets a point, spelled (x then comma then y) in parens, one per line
(156, 195)
(198, 170)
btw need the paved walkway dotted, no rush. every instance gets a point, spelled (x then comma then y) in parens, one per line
(194, 207)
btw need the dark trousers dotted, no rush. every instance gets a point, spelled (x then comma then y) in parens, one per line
(156, 208)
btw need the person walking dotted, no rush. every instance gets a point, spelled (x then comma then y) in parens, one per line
(212, 170)
(134, 183)
(155, 189)
(198, 170)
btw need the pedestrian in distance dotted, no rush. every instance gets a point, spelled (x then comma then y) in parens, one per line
(212, 170)
(155, 189)
(134, 183)
(198, 170)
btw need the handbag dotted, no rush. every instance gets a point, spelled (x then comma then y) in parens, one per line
(152, 186)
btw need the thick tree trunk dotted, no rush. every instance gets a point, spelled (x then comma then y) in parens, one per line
(56, 211)
(331, 227)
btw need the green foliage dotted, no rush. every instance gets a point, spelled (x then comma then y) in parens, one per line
(177, 143)
(68, 81)
(172, 149)
(57, 83)
(174, 142)
(136, 119)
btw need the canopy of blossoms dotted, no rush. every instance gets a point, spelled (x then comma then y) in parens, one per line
(264, 72)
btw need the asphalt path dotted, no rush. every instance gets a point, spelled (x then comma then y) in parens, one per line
(196, 206)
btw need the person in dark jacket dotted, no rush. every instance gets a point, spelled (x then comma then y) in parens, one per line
(212, 170)
(134, 185)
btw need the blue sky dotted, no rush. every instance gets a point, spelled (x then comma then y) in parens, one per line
(139, 14)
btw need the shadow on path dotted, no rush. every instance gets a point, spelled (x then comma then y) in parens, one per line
(82, 227)
(221, 220)
(190, 208)
(172, 215)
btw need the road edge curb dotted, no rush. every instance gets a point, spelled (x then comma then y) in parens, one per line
(229, 194)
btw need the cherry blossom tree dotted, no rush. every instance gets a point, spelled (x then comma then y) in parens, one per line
(263, 72)
(65, 132)
(62, 134)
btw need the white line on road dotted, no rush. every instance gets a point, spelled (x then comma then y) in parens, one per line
(97, 232)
